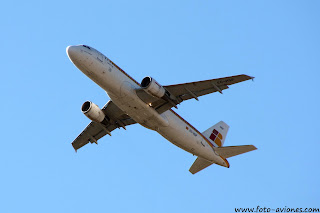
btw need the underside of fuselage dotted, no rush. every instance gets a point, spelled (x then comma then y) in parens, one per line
(122, 90)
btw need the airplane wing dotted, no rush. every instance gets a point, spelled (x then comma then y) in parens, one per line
(181, 92)
(94, 131)
(195, 89)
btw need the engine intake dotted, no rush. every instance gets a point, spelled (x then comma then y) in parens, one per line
(153, 87)
(93, 112)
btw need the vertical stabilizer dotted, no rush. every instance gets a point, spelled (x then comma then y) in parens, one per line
(217, 134)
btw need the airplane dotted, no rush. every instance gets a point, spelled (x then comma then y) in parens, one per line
(150, 104)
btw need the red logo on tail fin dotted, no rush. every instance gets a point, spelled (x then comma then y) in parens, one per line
(216, 137)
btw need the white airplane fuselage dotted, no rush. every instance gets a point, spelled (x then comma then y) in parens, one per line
(121, 89)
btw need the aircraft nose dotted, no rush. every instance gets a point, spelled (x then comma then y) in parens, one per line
(72, 52)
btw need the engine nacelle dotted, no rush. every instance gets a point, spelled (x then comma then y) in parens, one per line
(153, 87)
(93, 112)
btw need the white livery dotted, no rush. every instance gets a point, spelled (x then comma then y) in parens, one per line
(149, 104)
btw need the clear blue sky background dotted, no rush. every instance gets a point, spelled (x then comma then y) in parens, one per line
(175, 42)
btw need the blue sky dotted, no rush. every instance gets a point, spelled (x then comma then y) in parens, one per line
(175, 42)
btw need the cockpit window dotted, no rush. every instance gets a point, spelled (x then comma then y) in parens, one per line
(86, 46)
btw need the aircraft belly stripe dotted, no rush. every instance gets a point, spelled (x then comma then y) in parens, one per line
(227, 162)
(124, 72)
(210, 144)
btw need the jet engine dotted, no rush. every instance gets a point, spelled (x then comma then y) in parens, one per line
(153, 87)
(93, 112)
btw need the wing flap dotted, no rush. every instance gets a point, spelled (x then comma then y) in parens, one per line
(230, 151)
(92, 133)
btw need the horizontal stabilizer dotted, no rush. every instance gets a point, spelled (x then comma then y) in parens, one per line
(199, 164)
(230, 151)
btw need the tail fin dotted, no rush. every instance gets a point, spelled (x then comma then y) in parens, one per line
(217, 133)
